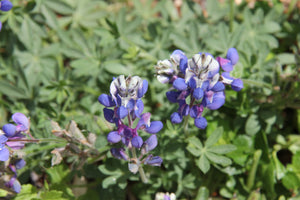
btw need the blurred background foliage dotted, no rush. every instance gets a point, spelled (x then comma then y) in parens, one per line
(58, 56)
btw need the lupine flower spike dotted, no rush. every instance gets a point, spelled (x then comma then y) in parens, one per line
(122, 107)
(198, 78)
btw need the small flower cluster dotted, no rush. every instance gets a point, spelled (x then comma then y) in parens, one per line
(13, 135)
(126, 107)
(199, 78)
(12, 138)
(13, 183)
(5, 6)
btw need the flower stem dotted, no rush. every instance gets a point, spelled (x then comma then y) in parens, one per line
(141, 170)
(186, 125)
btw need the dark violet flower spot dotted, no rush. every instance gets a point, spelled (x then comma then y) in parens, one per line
(9, 130)
(114, 137)
(154, 127)
(108, 115)
(173, 96)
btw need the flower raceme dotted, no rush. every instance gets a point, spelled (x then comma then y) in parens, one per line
(198, 78)
(122, 107)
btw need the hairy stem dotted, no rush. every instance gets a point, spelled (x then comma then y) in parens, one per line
(141, 170)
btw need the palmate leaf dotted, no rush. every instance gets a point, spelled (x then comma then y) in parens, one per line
(203, 164)
(222, 149)
(218, 159)
(214, 137)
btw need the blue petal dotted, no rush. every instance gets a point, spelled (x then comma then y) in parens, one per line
(139, 108)
(9, 130)
(172, 96)
(153, 160)
(151, 143)
(137, 142)
(176, 118)
(194, 111)
(205, 85)
(232, 55)
(237, 84)
(4, 154)
(122, 112)
(192, 83)
(225, 64)
(114, 137)
(219, 86)
(180, 84)
(21, 120)
(154, 127)
(142, 91)
(200, 122)
(217, 102)
(108, 115)
(144, 120)
(5, 5)
(3, 139)
(119, 153)
(16, 186)
(198, 93)
(20, 164)
(106, 100)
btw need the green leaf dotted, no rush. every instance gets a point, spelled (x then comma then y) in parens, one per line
(218, 159)
(194, 151)
(280, 169)
(252, 125)
(111, 180)
(28, 192)
(222, 149)
(115, 67)
(203, 164)
(195, 142)
(286, 58)
(10, 90)
(203, 194)
(52, 195)
(291, 181)
(214, 137)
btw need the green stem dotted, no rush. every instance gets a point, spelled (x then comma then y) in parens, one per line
(141, 170)
(186, 125)
(251, 177)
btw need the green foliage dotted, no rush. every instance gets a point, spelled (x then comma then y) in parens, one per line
(58, 56)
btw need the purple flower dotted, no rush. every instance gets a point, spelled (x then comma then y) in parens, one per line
(150, 143)
(22, 122)
(153, 160)
(14, 184)
(201, 81)
(5, 5)
(4, 152)
(119, 153)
